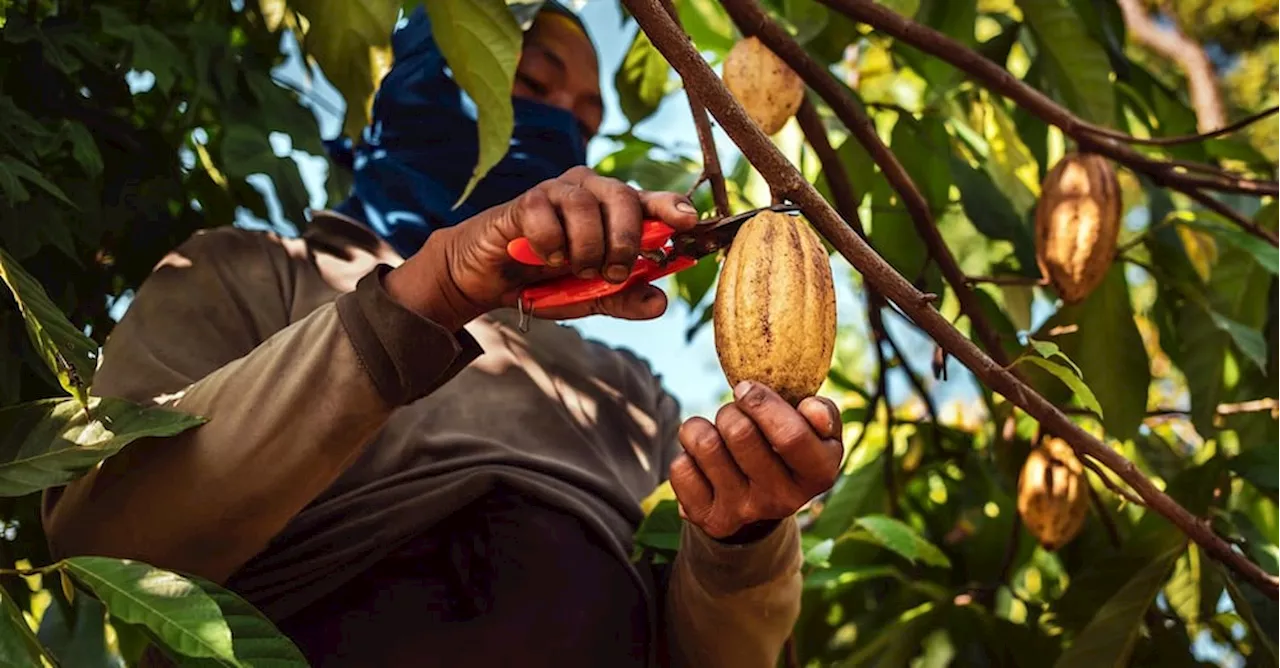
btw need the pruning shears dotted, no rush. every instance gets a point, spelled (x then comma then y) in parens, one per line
(662, 253)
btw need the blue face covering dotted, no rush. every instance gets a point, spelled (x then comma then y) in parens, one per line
(417, 153)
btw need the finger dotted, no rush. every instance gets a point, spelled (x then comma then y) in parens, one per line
(786, 430)
(580, 218)
(673, 209)
(539, 222)
(823, 416)
(750, 451)
(692, 489)
(702, 442)
(642, 301)
(623, 218)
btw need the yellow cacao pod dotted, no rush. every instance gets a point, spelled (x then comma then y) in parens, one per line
(763, 84)
(775, 310)
(1077, 224)
(1053, 494)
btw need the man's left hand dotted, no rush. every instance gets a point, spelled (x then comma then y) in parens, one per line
(761, 460)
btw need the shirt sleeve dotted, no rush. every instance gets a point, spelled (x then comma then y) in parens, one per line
(288, 405)
(731, 605)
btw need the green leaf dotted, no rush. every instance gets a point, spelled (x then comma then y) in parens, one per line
(1049, 350)
(900, 539)
(856, 493)
(76, 639)
(660, 529)
(953, 18)
(1074, 62)
(641, 79)
(152, 50)
(1101, 336)
(1071, 380)
(1109, 638)
(183, 618)
(67, 352)
(1234, 311)
(482, 47)
(18, 645)
(693, 283)
(1261, 635)
(818, 554)
(992, 213)
(1266, 255)
(1258, 463)
(919, 145)
(858, 166)
(84, 149)
(255, 641)
(843, 577)
(806, 18)
(707, 24)
(351, 41)
(53, 441)
(16, 169)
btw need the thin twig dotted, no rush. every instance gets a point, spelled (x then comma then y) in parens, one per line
(751, 20)
(1006, 280)
(1231, 214)
(916, 383)
(1254, 406)
(711, 171)
(1111, 485)
(882, 389)
(838, 181)
(1105, 517)
(769, 161)
(1184, 139)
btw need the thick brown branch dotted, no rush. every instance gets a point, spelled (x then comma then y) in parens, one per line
(751, 20)
(1173, 44)
(779, 172)
(1090, 137)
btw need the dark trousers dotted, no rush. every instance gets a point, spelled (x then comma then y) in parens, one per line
(507, 581)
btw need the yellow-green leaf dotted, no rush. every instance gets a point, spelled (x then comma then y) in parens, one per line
(1071, 380)
(51, 442)
(641, 80)
(351, 41)
(482, 46)
(70, 354)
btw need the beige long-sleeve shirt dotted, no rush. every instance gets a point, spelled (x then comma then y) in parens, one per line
(342, 427)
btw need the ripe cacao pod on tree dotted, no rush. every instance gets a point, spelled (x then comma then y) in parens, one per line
(1077, 224)
(763, 84)
(1053, 494)
(775, 310)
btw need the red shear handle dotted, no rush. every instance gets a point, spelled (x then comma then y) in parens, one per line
(654, 234)
(573, 290)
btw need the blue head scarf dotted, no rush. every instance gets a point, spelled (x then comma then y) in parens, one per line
(416, 155)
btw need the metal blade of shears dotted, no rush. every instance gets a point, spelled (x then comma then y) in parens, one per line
(714, 235)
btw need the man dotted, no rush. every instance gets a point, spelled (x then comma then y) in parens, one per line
(392, 470)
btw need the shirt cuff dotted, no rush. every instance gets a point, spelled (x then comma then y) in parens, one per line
(406, 355)
(724, 568)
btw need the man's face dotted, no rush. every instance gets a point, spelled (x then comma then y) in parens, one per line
(558, 67)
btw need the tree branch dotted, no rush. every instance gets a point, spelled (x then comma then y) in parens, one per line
(846, 200)
(1173, 44)
(1090, 137)
(751, 20)
(1188, 139)
(711, 171)
(674, 45)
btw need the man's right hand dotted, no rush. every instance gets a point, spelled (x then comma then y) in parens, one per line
(580, 223)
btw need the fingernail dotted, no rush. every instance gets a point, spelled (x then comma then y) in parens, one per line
(834, 413)
(740, 390)
(617, 273)
(589, 273)
(555, 259)
(685, 207)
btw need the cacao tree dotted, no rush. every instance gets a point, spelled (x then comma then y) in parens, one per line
(933, 133)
